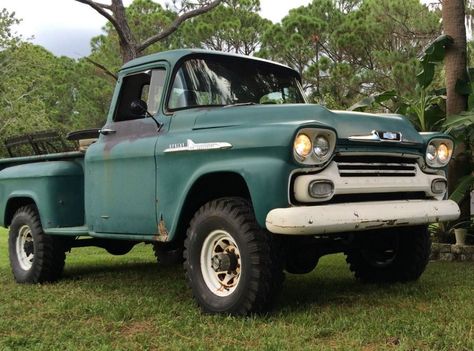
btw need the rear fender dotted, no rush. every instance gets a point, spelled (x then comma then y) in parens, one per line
(56, 188)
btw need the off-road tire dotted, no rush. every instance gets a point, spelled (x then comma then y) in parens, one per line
(49, 252)
(410, 260)
(262, 275)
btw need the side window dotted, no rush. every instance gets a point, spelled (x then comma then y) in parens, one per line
(146, 86)
(178, 92)
(155, 93)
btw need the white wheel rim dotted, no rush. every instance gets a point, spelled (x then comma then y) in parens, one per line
(25, 248)
(216, 246)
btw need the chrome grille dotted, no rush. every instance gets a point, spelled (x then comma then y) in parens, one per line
(367, 167)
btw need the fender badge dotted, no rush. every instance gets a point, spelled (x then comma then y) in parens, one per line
(192, 146)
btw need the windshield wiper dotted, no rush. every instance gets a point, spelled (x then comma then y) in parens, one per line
(241, 104)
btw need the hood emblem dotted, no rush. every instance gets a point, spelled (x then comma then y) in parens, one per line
(192, 146)
(378, 135)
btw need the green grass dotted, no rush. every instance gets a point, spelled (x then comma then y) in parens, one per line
(129, 303)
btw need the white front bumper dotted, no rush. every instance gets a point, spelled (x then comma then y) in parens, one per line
(356, 216)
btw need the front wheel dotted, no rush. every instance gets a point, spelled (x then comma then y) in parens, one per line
(34, 256)
(395, 255)
(231, 264)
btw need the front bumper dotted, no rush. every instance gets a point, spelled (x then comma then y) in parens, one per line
(358, 216)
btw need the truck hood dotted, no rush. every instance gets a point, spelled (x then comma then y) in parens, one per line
(345, 123)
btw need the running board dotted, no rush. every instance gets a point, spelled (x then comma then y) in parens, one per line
(68, 231)
(84, 231)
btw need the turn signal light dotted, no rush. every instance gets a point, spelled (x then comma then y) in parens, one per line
(321, 188)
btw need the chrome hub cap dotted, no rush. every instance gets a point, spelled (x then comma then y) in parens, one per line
(220, 263)
(25, 248)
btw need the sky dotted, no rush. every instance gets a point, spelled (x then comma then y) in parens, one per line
(65, 27)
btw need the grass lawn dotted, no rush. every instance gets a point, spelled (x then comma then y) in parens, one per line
(129, 303)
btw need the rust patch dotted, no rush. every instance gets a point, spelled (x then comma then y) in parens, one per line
(378, 223)
(374, 226)
(163, 233)
(129, 131)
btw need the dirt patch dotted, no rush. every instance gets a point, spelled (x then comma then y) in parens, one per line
(132, 329)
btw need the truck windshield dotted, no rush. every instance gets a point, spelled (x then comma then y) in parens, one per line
(232, 81)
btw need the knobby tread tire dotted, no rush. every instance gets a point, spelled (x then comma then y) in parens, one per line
(49, 251)
(265, 271)
(410, 262)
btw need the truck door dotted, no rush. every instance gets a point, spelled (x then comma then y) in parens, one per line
(120, 166)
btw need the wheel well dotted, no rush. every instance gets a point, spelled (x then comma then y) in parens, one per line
(209, 187)
(13, 205)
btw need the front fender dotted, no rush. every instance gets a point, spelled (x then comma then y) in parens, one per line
(266, 179)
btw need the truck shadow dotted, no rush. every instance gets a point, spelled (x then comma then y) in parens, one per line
(301, 293)
(75, 272)
(314, 291)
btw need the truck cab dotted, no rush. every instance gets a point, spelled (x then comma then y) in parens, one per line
(218, 160)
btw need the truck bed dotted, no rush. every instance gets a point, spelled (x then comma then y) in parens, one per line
(15, 161)
(53, 182)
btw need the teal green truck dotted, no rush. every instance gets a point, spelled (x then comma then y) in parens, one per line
(219, 161)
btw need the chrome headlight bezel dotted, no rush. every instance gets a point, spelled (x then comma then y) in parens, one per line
(313, 134)
(437, 144)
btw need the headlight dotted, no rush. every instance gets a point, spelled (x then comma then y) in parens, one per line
(438, 152)
(431, 152)
(314, 146)
(321, 146)
(443, 153)
(303, 145)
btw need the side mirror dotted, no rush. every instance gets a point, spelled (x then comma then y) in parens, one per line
(138, 107)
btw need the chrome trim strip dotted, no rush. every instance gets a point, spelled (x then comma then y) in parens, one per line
(376, 171)
(374, 153)
(372, 137)
(192, 146)
(375, 164)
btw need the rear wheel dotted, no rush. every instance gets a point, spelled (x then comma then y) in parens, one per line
(395, 255)
(34, 256)
(231, 264)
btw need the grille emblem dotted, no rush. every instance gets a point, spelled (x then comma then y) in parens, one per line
(378, 135)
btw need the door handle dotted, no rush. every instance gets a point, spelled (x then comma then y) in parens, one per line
(107, 131)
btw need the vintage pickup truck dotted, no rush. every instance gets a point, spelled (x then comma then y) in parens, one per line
(220, 158)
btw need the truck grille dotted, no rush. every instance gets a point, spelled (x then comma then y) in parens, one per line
(351, 166)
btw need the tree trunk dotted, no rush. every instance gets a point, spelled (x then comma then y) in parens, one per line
(128, 48)
(453, 13)
(456, 57)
